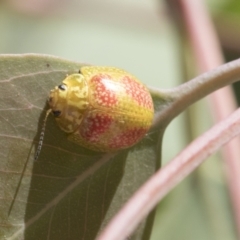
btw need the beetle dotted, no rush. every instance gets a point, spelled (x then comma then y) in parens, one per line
(101, 108)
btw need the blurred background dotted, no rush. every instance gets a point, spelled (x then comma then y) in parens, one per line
(140, 37)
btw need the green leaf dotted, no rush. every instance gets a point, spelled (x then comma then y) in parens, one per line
(70, 192)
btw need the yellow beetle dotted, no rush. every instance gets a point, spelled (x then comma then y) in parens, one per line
(101, 108)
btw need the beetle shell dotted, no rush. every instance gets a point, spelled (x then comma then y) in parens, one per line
(102, 108)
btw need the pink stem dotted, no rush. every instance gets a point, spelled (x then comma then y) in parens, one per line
(147, 197)
(208, 56)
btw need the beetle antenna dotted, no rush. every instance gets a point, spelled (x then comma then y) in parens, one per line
(40, 143)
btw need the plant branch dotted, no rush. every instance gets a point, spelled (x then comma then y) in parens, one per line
(181, 97)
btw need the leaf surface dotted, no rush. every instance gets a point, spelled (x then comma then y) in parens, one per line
(70, 192)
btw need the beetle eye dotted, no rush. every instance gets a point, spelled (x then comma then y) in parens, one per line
(56, 113)
(62, 87)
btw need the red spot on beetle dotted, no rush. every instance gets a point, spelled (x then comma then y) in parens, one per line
(94, 126)
(127, 138)
(104, 90)
(138, 92)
